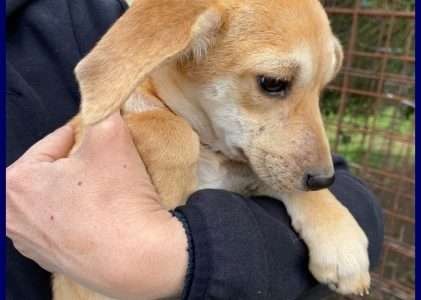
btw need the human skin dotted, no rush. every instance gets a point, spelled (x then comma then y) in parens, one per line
(65, 212)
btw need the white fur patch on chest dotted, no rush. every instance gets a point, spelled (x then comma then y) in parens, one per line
(141, 102)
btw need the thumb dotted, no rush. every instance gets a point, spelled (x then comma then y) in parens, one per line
(109, 135)
(54, 146)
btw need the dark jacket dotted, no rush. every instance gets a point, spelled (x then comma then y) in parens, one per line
(240, 248)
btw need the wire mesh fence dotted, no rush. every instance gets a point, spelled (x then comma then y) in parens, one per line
(369, 114)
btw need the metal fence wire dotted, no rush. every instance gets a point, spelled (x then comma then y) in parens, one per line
(369, 115)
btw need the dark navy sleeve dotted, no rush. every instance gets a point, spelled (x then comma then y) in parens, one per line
(45, 41)
(245, 248)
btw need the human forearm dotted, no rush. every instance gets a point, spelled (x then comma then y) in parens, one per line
(151, 265)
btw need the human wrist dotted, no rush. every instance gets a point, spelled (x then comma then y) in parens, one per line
(190, 251)
(170, 257)
(150, 264)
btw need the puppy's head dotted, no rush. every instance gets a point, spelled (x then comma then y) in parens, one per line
(254, 69)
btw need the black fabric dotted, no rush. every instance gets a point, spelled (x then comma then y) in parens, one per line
(45, 40)
(242, 248)
(190, 250)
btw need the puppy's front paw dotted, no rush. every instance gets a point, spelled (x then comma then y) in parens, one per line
(339, 258)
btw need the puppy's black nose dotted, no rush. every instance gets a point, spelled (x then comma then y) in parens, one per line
(318, 182)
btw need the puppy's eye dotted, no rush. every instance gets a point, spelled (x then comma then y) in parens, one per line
(274, 86)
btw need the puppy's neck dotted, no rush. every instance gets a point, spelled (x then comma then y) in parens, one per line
(181, 97)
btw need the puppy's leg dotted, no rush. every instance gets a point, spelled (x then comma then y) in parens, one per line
(170, 150)
(337, 244)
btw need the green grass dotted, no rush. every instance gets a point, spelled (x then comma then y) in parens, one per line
(386, 150)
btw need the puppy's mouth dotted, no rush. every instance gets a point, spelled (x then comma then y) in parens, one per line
(280, 174)
(242, 157)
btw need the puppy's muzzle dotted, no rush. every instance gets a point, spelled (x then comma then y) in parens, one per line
(314, 182)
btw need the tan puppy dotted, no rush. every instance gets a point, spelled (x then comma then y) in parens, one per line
(225, 94)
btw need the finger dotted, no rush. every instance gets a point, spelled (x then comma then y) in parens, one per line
(35, 256)
(54, 146)
(109, 137)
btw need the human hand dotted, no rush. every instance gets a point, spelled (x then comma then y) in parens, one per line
(94, 215)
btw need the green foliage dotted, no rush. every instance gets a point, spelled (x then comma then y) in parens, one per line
(382, 110)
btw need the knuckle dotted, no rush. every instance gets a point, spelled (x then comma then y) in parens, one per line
(19, 176)
(109, 125)
(12, 176)
(12, 230)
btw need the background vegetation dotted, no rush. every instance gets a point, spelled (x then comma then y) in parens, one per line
(369, 112)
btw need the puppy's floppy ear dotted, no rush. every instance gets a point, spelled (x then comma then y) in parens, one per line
(339, 56)
(149, 34)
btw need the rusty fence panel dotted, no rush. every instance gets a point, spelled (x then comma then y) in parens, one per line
(370, 119)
